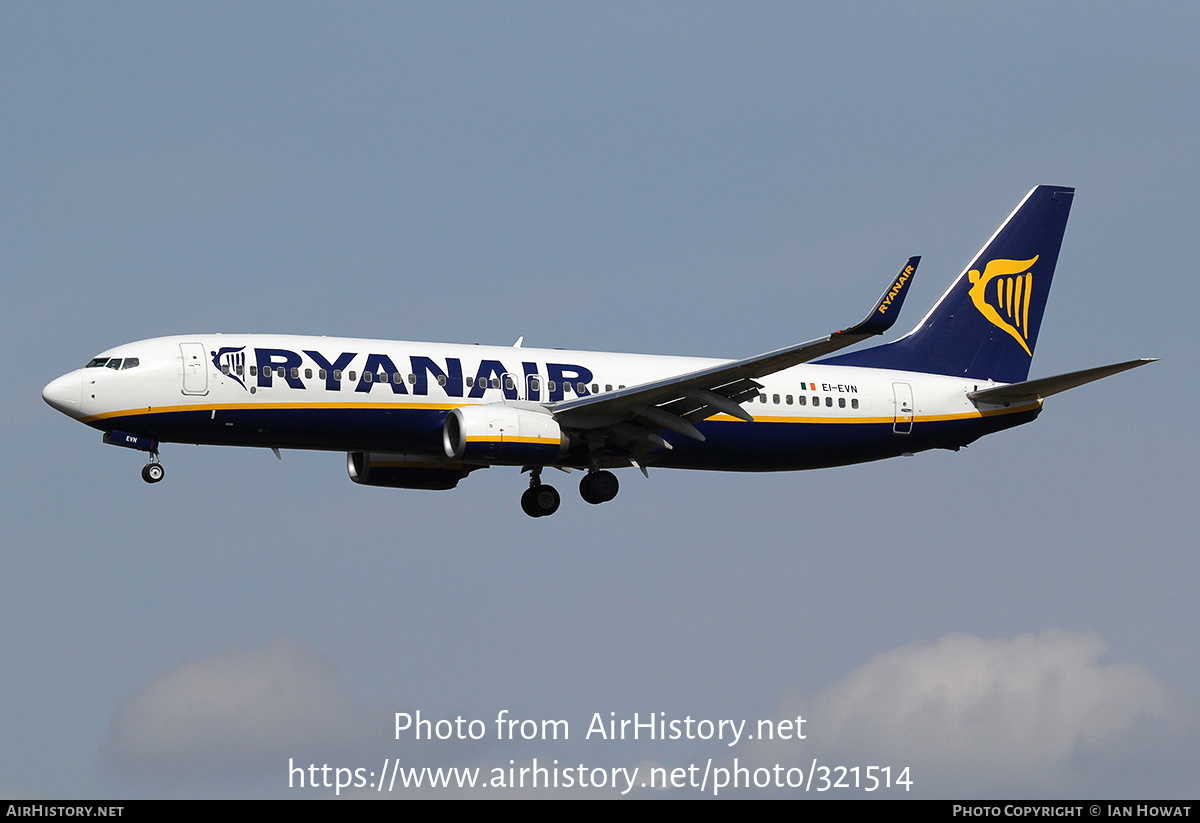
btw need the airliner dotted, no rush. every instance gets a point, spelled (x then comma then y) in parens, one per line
(425, 415)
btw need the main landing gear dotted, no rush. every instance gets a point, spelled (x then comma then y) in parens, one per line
(598, 487)
(540, 499)
(153, 471)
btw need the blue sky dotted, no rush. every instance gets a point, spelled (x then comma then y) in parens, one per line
(1016, 619)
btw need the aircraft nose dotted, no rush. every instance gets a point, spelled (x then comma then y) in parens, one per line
(65, 393)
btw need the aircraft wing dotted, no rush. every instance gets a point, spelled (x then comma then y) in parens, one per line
(1044, 387)
(674, 402)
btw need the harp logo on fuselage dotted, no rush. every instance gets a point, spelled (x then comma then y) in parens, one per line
(1005, 305)
(231, 361)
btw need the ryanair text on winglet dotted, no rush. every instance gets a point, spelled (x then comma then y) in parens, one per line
(896, 289)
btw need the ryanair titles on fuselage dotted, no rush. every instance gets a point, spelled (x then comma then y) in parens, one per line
(272, 366)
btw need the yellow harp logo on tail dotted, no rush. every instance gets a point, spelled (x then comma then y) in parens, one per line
(1009, 308)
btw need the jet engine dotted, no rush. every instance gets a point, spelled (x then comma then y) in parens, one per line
(404, 471)
(499, 433)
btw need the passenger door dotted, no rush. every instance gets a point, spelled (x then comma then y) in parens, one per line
(904, 408)
(195, 368)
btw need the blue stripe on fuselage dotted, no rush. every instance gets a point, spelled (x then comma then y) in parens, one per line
(333, 429)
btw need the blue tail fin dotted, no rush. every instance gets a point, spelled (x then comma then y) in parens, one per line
(986, 325)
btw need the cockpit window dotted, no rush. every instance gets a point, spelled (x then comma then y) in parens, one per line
(113, 363)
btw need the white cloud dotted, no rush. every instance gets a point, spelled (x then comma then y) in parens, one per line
(238, 712)
(1035, 714)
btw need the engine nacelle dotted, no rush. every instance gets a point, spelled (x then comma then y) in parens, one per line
(497, 433)
(403, 471)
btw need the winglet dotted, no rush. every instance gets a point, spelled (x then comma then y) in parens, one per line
(884, 315)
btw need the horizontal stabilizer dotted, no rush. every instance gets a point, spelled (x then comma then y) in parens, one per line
(1046, 386)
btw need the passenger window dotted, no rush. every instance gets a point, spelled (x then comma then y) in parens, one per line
(441, 379)
(775, 399)
(396, 377)
(470, 382)
(816, 400)
(280, 371)
(841, 402)
(337, 374)
(551, 385)
(412, 379)
(308, 374)
(581, 388)
(534, 383)
(368, 376)
(566, 387)
(762, 398)
(802, 400)
(224, 368)
(295, 372)
(495, 382)
(508, 382)
(595, 388)
(608, 387)
(324, 375)
(350, 377)
(829, 402)
(854, 403)
(254, 371)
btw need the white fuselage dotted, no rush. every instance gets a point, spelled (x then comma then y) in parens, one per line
(391, 396)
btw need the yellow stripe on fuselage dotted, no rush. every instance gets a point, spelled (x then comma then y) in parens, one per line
(272, 406)
(718, 418)
(924, 418)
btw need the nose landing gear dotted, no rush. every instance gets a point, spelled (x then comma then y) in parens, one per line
(153, 471)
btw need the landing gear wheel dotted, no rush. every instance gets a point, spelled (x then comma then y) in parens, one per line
(599, 487)
(528, 504)
(540, 501)
(152, 472)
